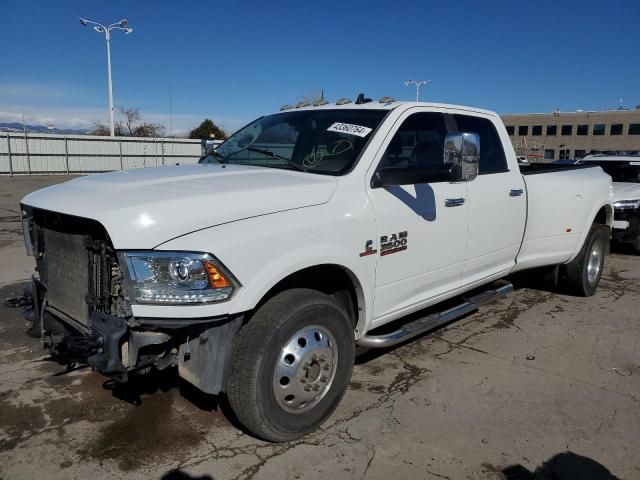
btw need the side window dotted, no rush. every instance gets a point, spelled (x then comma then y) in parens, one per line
(492, 158)
(419, 142)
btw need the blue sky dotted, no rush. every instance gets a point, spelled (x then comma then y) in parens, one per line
(233, 61)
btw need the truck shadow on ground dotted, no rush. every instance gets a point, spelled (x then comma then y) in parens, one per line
(563, 466)
(180, 475)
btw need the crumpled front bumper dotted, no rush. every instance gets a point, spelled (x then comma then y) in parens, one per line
(200, 348)
(626, 225)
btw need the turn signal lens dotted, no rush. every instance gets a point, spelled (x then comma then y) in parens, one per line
(217, 279)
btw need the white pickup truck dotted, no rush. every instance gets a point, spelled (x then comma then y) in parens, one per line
(258, 271)
(625, 173)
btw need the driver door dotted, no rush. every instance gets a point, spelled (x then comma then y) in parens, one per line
(422, 228)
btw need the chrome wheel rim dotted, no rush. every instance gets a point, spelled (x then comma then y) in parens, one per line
(305, 369)
(594, 264)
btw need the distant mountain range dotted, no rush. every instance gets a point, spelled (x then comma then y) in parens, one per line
(17, 127)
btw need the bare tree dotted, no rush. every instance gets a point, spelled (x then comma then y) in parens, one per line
(131, 118)
(101, 129)
(131, 126)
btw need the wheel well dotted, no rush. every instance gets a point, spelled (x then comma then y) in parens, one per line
(330, 279)
(604, 216)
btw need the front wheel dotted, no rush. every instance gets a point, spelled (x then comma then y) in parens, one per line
(291, 364)
(582, 275)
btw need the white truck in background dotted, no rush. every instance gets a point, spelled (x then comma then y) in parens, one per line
(625, 172)
(258, 271)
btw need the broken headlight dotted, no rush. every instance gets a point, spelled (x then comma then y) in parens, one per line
(176, 278)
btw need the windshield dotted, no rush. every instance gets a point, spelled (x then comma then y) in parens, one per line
(317, 141)
(628, 172)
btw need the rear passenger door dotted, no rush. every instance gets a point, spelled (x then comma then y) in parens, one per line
(497, 204)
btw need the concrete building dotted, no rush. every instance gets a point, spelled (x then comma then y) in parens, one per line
(564, 135)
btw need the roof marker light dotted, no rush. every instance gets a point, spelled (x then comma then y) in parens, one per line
(286, 107)
(387, 100)
(302, 104)
(319, 102)
(343, 101)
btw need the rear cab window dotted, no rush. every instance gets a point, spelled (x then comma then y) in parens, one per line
(492, 156)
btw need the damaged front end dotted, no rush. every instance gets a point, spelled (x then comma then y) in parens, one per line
(82, 308)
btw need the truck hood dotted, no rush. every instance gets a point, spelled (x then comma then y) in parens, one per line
(626, 191)
(142, 208)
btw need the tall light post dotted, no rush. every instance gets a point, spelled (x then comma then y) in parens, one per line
(418, 84)
(98, 27)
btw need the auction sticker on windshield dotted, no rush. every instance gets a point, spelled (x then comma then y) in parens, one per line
(350, 129)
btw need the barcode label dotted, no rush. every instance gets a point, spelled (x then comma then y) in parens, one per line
(348, 128)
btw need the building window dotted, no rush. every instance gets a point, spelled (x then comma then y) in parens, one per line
(566, 130)
(549, 154)
(579, 153)
(523, 130)
(598, 129)
(634, 129)
(552, 130)
(616, 129)
(565, 154)
(583, 130)
(511, 130)
(536, 131)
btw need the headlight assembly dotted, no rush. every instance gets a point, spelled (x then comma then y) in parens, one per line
(176, 278)
(627, 204)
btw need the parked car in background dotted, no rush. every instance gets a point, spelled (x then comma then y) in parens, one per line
(306, 233)
(625, 172)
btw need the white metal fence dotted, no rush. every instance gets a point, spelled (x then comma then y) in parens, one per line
(64, 154)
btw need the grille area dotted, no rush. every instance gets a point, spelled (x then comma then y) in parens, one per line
(67, 276)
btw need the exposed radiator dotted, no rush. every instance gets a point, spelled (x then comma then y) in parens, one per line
(66, 260)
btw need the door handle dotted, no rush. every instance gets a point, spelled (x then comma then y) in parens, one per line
(516, 192)
(453, 202)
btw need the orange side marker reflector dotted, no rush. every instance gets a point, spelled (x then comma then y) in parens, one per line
(216, 278)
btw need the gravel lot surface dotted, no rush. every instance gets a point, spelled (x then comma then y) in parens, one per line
(537, 385)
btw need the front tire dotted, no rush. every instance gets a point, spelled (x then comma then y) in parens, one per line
(291, 364)
(582, 275)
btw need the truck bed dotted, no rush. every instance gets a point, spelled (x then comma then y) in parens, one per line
(537, 168)
(560, 210)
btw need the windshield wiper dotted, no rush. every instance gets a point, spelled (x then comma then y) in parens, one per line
(271, 154)
(222, 158)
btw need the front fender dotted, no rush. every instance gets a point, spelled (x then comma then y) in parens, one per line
(290, 262)
(262, 251)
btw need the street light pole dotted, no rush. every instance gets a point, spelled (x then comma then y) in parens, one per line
(98, 27)
(418, 84)
(108, 35)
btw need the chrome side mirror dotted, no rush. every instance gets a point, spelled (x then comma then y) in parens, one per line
(462, 149)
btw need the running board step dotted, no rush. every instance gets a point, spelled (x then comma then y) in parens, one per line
(413, 329)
